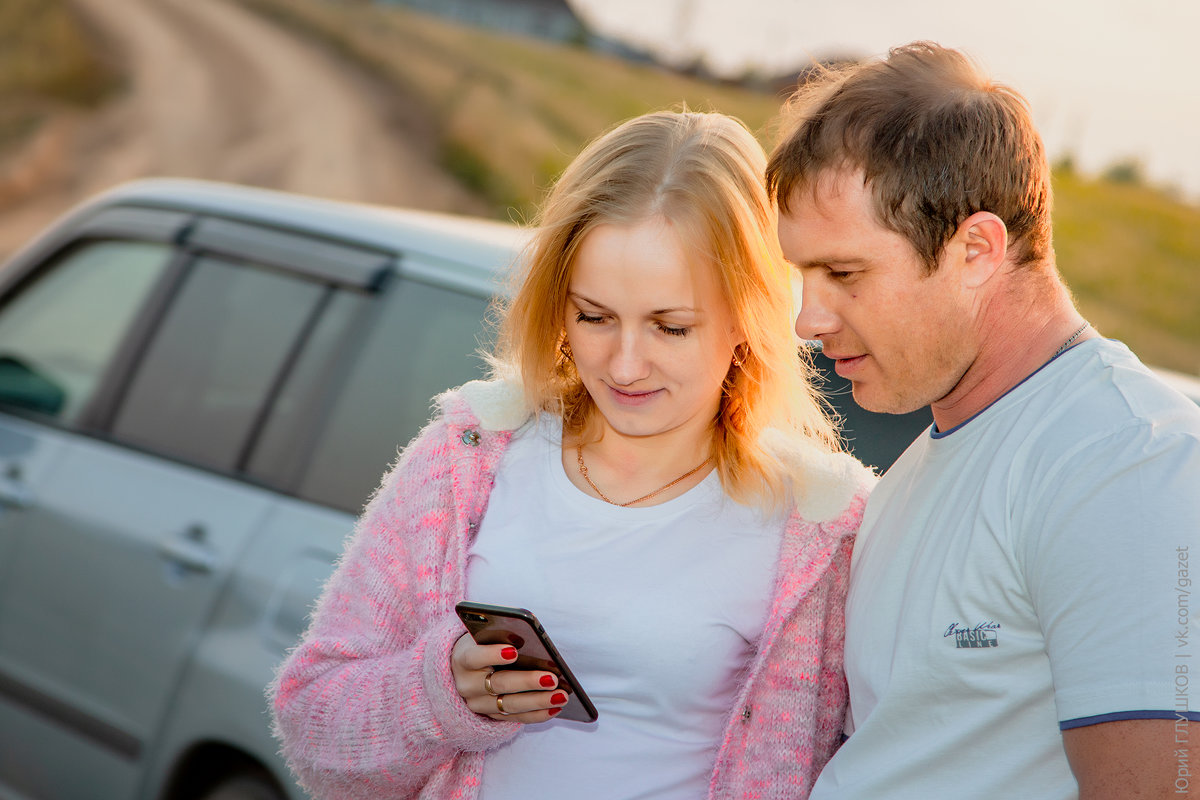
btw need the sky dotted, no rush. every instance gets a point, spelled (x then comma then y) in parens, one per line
(1107, 80)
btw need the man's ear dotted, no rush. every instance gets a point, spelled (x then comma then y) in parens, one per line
(981, 246)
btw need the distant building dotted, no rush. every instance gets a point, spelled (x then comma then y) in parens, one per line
(545, 19)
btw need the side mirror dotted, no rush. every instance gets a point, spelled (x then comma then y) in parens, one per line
(22, 386)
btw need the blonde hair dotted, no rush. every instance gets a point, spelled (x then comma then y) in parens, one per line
(703, 173)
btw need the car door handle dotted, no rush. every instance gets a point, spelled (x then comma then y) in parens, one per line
(190, 550)
(14, 493)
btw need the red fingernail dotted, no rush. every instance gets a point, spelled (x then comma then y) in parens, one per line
(554, 711)
(547, 681)
(508, 653)
(558, 699)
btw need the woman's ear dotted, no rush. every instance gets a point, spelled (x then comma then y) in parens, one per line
(981, 246)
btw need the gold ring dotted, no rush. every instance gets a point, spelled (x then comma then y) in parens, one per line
(500, 705)
(487, 684)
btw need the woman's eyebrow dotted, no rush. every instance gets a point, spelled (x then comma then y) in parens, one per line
(576, 296)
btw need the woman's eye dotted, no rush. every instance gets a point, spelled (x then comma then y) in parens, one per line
(582, 317)
(667, 329)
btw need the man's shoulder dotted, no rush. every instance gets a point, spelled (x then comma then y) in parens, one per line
(1086, 410)
(1105, 386)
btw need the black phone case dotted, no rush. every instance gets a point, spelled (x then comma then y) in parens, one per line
(489, 624)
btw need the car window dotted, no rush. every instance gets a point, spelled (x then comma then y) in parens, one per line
(59, 333)
(209, 372)
(423, 342)
(313, 385)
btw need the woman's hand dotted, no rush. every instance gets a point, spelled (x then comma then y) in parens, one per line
(518, 695)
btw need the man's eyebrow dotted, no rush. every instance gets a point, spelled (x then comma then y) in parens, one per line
(828, 261)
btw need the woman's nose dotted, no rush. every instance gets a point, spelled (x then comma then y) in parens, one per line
(629, 362)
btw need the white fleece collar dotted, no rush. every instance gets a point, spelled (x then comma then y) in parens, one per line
(499, 405)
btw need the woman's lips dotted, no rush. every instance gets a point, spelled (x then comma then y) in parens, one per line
(632, 399)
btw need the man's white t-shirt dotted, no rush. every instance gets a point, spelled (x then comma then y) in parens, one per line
(1023, 574)
(657, 610)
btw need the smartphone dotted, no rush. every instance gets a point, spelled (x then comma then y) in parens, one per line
(520, 628)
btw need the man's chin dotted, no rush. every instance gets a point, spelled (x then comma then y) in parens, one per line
(881, 403)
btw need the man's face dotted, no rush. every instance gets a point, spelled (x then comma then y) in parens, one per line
(899, 335)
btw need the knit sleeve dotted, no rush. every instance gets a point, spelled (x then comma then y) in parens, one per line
(365, 706)
(834, 693)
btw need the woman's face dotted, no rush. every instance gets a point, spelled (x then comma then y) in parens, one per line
(650, 331)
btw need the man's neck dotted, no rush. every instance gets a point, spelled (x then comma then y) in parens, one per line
(1024, 326)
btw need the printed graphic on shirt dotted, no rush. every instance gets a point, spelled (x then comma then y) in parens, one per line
(984, 634)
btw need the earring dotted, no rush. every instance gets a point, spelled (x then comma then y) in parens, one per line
(564, 349)
(737, 362)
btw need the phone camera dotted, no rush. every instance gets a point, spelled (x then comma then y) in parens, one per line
(475, 617)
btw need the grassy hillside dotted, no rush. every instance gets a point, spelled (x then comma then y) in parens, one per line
(512, 111)
(1132, 257)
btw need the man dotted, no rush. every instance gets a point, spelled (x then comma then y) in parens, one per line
(1019, 623)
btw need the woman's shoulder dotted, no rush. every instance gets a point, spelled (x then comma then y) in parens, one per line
(496, 404)
(824, 487)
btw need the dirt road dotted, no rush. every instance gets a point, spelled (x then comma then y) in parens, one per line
(217, 92)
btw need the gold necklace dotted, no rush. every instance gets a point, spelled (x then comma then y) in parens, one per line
(583, 470)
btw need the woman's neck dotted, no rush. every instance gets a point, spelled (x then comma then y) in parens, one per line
(623, 468)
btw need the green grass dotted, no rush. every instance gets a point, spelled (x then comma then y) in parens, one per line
(47, 58)
(45, 51)
(1131, 255)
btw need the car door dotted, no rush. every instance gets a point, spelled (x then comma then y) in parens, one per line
(59, 336)
(128, 525)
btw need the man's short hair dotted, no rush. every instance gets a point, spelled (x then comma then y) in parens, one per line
(936, 141)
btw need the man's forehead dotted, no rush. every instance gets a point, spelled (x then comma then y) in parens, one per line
(833, 198)
(829, 185)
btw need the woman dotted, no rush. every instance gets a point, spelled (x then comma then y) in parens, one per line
(650, 473)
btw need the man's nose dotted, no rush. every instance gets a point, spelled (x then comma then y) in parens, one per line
(816, 317)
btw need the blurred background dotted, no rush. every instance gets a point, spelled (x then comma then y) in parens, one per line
(473, 106)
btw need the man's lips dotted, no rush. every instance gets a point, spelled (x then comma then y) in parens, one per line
(844, 365)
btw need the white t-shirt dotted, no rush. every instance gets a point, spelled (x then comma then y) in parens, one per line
(1021, 574)
(657, 610)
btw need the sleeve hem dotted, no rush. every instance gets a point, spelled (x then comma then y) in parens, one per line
(460, 727)
(1083, 722)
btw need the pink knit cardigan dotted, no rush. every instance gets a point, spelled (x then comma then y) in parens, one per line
(365, 706)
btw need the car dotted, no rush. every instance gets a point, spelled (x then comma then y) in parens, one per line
(200, 386)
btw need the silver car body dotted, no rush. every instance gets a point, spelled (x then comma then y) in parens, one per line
(146, 598)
